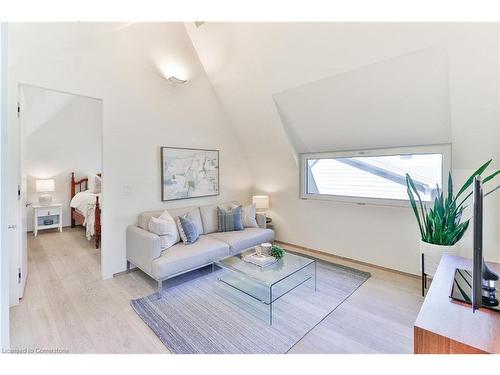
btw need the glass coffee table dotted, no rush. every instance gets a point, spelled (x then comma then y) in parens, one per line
(270, 283)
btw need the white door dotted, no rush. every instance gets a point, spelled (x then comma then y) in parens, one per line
(4, 255)
(23, 202)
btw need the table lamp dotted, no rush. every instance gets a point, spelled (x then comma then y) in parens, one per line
(45, 186)
(261, 202)
(261, 205)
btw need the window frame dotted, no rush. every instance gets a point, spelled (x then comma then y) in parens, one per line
(446, 165)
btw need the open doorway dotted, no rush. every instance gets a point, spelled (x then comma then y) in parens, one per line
(61, 164)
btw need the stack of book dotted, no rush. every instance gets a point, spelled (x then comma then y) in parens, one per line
(260, 260)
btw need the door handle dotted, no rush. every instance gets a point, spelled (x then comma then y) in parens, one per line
(13, 227)
(28, 204)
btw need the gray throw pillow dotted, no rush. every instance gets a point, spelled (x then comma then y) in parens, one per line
(229, 220)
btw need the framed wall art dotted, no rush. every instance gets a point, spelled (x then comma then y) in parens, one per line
(189, 173)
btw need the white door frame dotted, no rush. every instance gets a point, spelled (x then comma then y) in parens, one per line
(19, 258)
(4, 254)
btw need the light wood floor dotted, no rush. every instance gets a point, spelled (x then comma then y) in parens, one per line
(67, 306)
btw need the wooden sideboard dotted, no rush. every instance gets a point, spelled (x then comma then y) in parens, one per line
(444, 326)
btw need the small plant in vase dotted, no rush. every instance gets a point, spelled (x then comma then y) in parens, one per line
(277, 252)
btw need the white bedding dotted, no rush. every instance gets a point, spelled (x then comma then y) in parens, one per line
(84, 202)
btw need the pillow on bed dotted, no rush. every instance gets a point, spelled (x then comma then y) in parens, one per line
(165, 227)
(94, 183)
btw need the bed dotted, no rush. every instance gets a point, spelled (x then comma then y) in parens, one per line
(86, 208)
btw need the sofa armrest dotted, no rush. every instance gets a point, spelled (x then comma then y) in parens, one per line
(142, 248)
(261, 220)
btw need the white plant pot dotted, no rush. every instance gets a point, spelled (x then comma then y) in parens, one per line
(433, 253)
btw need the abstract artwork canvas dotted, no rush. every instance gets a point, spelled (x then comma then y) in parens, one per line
(189, 173)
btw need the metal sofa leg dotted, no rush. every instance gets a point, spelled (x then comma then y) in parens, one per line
(159, 291)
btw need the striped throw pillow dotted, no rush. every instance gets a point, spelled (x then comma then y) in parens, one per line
(229, 220)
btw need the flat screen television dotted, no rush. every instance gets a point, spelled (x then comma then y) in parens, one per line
(477, 286)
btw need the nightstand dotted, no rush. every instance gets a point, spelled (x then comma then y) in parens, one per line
(47, 217)
(268, 223)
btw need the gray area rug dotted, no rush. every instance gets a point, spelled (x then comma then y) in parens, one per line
(200, 315)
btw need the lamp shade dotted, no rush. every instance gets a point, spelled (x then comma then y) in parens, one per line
(261, 202)
(44, 186)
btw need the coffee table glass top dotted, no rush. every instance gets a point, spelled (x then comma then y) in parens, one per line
(268, 275)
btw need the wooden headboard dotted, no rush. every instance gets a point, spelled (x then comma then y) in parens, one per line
(82, 182)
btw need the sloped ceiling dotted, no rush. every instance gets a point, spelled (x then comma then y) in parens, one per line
(405, 96)
(40, 105)
(328, 86)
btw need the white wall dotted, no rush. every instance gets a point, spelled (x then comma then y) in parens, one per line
(120, 64)
(4, 258)
(68, 140)
(250, 64)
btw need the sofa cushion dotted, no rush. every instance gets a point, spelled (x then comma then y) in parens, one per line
(180, 257)
(209, 218)
(244, 239)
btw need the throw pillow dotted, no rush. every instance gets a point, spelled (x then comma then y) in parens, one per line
(97, 189)
(165, 242)
(248, 214)
(229, 220)
(173, 232)
(165, 227)
(93, 183)
(158, 226)
(187, 229)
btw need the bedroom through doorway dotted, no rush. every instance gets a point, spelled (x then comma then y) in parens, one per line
(61, 174)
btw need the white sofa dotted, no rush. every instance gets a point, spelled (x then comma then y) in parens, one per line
(144, 248)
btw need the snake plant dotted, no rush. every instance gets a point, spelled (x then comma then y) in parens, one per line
(441, 224)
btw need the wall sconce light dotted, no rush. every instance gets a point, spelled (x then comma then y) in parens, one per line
(173, 71)
(177, 81)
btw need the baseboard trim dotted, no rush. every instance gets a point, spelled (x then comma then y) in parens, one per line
(324, 253)
(64, 226)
